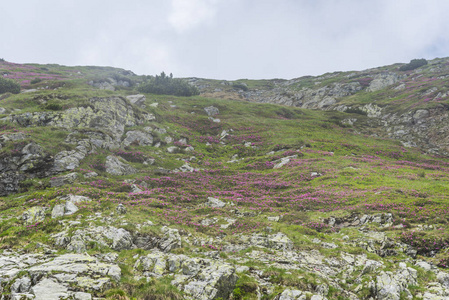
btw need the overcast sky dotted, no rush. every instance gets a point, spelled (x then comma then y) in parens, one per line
(224, 39)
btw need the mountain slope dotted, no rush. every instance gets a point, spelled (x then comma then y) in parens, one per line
(410, 106)
(108, 193)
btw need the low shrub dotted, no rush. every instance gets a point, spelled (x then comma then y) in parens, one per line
(35, 80)
(240, 86)
(413, 64)
(9, 86)
(167, 85)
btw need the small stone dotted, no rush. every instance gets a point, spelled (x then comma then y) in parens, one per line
(90, 174)
(215, 203)
(82, 296)
(121, 209)
(211, 111)
(173, 149)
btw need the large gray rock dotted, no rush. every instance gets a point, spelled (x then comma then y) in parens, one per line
(75, 198)
(138, 100)
(49, 289)
(171, 239)
(420, 115)
(185, 168)
(137, 137)
(389, 285)
(9, 181)
(372, 110)
(63, 180)
(21, 285)
(112, 237)
(278, 241)
(202, 279)
(58, 211)
(16, 136)
(69, 207)
(34, 215)
(211, 111)
(283, 161)
(115, 167)
(121, 239)
(382, 81)
(32, 157)
(111, 82)
(93, 139)
(214, 281)
(112, 114)
(68, 160)
(293, 295)
(215, 203)
(173, 149)
(59, 277)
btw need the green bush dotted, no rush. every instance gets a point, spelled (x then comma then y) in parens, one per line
(413, 64)
(240, 86)
(167, 85)
(35, 80)
(54, 105)
(9, 86)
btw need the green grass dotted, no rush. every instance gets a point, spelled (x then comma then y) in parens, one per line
(358, 174)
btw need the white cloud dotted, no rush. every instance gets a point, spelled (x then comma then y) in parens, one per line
(226, 39)
(188, 14)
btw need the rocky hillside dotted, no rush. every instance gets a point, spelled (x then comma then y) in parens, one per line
(106, 193)
(410, 106)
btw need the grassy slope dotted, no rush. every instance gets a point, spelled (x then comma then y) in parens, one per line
(358, 174)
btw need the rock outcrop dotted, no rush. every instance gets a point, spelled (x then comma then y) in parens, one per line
(69, 276)
(200, 278)
(115, 166)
